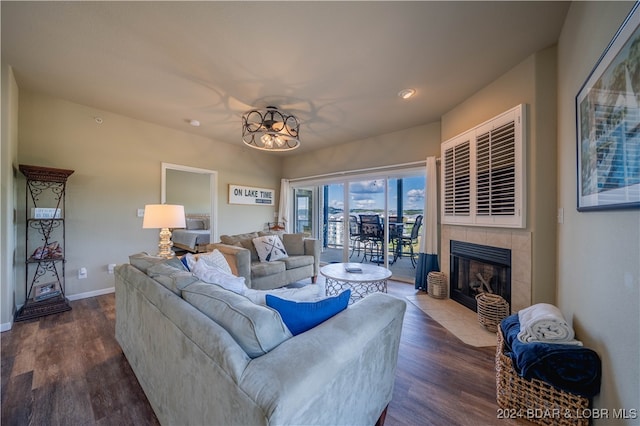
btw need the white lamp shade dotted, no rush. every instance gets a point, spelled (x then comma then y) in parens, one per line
(163, 216)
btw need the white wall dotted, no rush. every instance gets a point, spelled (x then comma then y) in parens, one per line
(190, 190)
(598, 252)
(117, 171)
(404, 146)
(8, 160)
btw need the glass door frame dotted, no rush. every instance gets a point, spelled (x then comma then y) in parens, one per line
(316, 186)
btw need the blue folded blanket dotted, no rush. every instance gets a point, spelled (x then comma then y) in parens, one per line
(574, 369)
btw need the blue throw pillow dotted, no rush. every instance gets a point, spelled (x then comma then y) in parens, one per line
(302, 316)
(183, 259)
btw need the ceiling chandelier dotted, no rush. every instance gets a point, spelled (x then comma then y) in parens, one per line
(270, 130)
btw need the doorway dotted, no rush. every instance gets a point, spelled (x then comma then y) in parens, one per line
(195, 189)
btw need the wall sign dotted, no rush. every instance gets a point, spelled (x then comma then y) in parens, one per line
(251, 195)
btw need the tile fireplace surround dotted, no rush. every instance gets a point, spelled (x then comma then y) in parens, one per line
(517, 240)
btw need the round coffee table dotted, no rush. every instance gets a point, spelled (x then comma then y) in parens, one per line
(370, 280)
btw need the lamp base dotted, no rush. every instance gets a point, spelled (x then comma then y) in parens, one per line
(165, 244)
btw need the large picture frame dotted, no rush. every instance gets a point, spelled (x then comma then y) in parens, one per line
(608, 124)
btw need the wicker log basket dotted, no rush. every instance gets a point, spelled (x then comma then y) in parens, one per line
(437, 285)
(491, 310)
(535, 400)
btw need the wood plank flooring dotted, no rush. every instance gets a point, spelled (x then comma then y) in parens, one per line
(67, 369)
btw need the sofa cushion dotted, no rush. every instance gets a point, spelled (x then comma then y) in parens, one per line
(293, 262)
(175, 279)
(242, 240)
(294, 243)
(143, 261)
(257, 329)
(302, 316)
(269, 248)
(265, 269)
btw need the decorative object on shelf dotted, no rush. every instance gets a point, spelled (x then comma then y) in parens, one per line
(46, 291)
(45, 242)
(270, 130)
(164, 216)
(608, 140)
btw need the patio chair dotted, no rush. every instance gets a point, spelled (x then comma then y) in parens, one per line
(372, 234)
(355, 235)
(411, 240)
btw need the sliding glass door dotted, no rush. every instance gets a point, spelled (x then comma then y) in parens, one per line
(368, 219)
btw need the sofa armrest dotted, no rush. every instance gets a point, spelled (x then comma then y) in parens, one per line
(312, 247)
(332, 365)
(239, 259)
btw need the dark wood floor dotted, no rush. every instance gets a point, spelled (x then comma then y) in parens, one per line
(67, 369)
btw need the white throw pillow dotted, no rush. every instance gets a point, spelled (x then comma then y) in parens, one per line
(269, 248)
(308, 293)
(215, 258)
(215, 275)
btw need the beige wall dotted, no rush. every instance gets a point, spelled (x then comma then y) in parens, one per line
(598, 252)
(117, 171)
(404, 146)
(8, 159)
(190, 190)
(532, 82)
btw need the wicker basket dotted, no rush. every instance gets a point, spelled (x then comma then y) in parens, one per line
(437, 285)
(535, 400)
(491, 310)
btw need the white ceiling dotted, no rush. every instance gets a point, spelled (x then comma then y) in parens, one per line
(338, 66)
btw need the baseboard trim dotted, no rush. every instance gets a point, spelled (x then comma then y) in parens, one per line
(92, 293)
(6, 326)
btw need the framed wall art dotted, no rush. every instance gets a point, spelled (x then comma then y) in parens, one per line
(608, 124)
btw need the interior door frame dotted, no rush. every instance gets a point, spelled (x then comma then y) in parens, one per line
(213, 189)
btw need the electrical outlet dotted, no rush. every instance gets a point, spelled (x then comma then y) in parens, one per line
(111, 267)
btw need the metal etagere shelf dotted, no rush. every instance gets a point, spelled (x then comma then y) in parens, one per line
(44, 242)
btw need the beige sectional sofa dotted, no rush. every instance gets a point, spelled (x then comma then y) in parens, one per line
(303, 259)
(207, 356)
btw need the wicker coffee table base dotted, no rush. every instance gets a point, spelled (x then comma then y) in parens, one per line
(358, 289)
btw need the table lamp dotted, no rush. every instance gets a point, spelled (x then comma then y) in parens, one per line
(164, 216)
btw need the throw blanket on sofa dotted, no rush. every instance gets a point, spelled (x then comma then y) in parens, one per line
(544, 322)
(572, 368)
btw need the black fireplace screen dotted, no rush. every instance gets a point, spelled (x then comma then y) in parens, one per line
(479, 269)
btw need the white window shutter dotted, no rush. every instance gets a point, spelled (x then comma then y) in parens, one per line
(483, 173)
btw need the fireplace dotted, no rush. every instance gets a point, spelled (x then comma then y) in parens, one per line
(477, 269)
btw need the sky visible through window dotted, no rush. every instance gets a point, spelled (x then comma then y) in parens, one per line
(368, 195)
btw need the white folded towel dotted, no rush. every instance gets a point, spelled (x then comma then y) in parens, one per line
(545, 323)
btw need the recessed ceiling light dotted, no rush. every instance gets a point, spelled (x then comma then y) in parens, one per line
(194, 123)
(406, 93)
